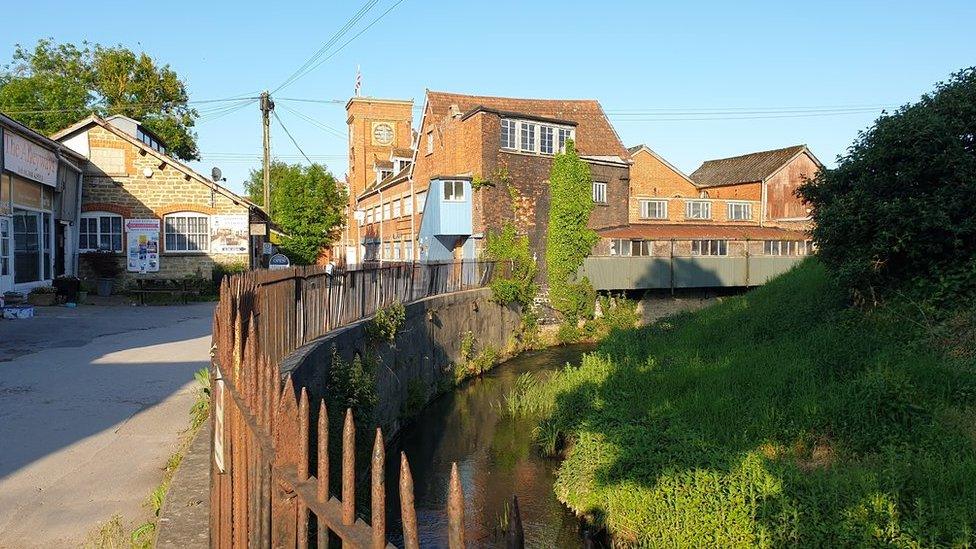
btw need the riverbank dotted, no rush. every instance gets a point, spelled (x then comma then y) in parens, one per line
(774, 418)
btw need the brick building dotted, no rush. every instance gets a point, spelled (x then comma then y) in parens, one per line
(478, 162)
(160, 218)
(743, 205)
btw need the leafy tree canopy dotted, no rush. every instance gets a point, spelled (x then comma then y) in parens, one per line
(307, 203)
(53, 85)
(568, 238)
(899, 211)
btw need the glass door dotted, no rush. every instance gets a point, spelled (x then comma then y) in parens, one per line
(6, 264)
(27, 246)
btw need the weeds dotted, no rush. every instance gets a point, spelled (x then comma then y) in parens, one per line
(781, 417)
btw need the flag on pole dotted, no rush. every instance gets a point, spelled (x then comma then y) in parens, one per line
(359, 80)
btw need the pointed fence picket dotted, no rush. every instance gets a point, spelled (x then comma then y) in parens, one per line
(266, 487)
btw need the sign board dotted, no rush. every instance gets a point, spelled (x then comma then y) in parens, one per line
(278, 262)
(228, 234)
(267, 249)
(259, 229)
(142, 245)
(32, 161)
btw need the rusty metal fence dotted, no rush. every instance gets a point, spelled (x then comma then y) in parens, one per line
(270, 463)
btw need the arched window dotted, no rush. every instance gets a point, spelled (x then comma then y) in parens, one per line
(186, 232)
(100, 231)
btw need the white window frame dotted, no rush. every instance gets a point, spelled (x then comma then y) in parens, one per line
(430, 142)
(386, 211)
(421, 201)
(396, 208)
(408, 205)
(705, 209)
(710, 247)
(188, 215)
(563, 135)
(528, 137)
(97, 216)
(547, 139)
(618, 247)
(456, 193)
(744, 211)
(369, 216)
(509, 134)
(661, 206)
(599, 192)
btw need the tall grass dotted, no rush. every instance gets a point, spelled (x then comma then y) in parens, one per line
(782, 417)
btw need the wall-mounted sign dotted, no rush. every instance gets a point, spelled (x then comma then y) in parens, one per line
(29, 160)
(142, 245)
(278, 262)
(228, 234)
(259, 229)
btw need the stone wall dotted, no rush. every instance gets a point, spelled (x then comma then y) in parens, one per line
(423, 354)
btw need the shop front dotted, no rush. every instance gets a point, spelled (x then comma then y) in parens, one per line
(32, 182)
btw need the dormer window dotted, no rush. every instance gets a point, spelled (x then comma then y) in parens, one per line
(149, 140)
(534, 137)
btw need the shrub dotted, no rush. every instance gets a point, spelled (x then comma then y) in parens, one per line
(351, 385)
(513, 250)
(386, 323)
(103, 264)
(220, 270)
(899, 211)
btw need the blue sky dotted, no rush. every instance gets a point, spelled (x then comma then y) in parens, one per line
(699, 79)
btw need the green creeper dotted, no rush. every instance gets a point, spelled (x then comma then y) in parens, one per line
(568, 239)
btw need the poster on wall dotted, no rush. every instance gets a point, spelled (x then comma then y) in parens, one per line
(142, 248)
(228, 234)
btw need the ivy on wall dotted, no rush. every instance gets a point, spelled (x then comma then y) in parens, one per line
(568, 238)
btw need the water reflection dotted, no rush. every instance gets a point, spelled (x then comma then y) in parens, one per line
(495, 459)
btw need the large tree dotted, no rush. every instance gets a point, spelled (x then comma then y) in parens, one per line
(307, 203)
(899, 211)
(54, 85)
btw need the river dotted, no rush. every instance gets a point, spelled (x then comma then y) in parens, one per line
(495, 458)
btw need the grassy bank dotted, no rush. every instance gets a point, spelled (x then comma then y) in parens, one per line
(780, 417)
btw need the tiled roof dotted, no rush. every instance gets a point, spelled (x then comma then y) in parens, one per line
(402, 152)
(595, 136)
(747, 168)
(690, 232)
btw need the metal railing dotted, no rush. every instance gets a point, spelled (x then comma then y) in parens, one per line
(270, 462)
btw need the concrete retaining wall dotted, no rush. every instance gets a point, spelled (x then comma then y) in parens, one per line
(425, 349)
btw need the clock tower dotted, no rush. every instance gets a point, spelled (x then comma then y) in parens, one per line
(376, 126)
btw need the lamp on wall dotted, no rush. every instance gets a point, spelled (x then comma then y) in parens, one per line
(147, 172)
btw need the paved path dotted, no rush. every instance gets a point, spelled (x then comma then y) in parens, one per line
(87, 424)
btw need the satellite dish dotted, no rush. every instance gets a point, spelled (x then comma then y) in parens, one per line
(216, 174)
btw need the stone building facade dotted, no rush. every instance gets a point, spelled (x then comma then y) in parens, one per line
(134, 190)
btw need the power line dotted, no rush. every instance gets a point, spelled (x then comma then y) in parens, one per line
(319, 124)
(346, 43)
(368, 5)
(288, 133)
(89, 108)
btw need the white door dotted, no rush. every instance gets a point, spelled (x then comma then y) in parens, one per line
(6, 258)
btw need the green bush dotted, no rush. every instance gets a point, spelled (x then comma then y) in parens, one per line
(351, 385)
(899, 211)
(778, 418)
(386, 323)
(512, 251)
(220, 270)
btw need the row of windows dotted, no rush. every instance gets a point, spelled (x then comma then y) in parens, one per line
(182, 232)
(395, 208)
(390, 251)
(636, 248)
(534, 137)
(695, 209)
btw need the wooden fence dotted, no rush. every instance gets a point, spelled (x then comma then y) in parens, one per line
(270, 463)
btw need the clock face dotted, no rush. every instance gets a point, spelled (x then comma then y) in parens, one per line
(383, 133)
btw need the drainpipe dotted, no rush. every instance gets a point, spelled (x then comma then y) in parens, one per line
(672, 267)
(382, 221)
(762, 205)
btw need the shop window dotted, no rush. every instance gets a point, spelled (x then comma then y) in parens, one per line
(100, 231)
(4, 247)
(187, 232)
(32, 246)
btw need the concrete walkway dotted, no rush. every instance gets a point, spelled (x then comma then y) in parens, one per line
(88, 420)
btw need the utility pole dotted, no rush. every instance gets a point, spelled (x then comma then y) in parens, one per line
(267, 105)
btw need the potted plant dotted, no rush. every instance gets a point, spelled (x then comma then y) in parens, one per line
(106, 267)
(43, 296)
